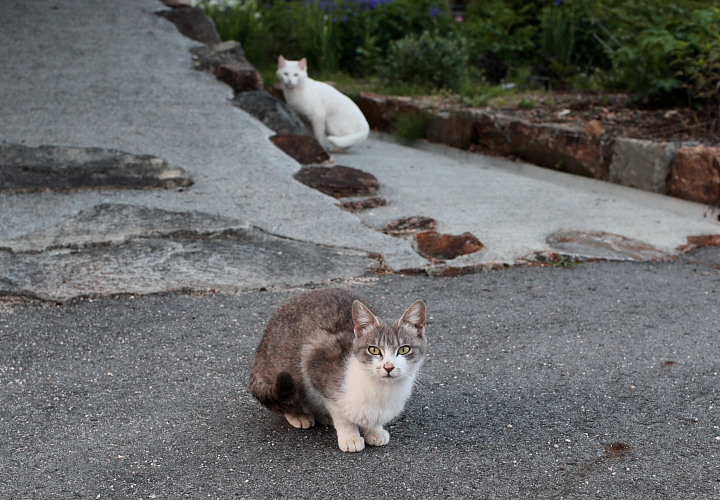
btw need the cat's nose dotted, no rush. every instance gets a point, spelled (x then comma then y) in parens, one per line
(389, 367)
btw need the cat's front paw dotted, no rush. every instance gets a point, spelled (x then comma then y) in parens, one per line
(300, 421)
(377, 437)
(351, 444)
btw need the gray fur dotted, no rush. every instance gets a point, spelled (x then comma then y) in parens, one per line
(308, 342)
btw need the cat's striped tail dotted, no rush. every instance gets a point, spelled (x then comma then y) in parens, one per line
(279, 395)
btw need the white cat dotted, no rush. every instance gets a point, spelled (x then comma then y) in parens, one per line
(328, 110)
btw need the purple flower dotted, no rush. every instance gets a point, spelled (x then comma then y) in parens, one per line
(435, 11)
(371, 4)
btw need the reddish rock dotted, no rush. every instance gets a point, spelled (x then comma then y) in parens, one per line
(339, 181)
(364, 204)
(594, 128)
(303, 148)
(702, 241)
(561, 147)
(228, 63)
(493, 133)
(434, 245)
(381, 110)
(410, 225)
(375, 108)
(695, 174)
(453, 128)
(242, 77)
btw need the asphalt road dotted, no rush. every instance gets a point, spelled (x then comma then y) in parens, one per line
(595, 381)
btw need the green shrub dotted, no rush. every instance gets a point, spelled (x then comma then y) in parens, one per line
(350, 35)
(429, 60)
(266, 30)
(557, 32)
(367, 28)
(508, 28)
(696, 58)
(663, 52)
(410, 127)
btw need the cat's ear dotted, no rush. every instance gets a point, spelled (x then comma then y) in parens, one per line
(414, 317)
(281, 61)
(363, 319)
(303, 64)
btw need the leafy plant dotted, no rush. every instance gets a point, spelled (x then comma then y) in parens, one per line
(557, 34)
(410, 127)
(696, 60)
(526, 103)
(429, 61)
(664, 52)
(369, 27)
(506, 28)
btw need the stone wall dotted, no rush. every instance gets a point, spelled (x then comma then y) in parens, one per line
(679, 169)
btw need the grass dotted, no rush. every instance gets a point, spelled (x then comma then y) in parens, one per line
(410, 127)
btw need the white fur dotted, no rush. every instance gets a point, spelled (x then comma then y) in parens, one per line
(369, 400)
(328, 110)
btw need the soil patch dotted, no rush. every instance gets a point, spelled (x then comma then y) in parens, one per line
(619, 117)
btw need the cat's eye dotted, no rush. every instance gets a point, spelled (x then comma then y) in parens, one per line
(404, 350)
(374, 350)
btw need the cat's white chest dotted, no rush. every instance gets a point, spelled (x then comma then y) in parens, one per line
(305, 100)
(368, 401)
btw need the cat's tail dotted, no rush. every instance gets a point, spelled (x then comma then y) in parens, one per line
(279, 396)
(347, 141)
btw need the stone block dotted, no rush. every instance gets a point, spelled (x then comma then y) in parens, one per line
(381, 111)
(270, 110)
(193, 23)
(339, 181)
(453, 128)
(695, 174)
(561, 147)
(641, 164)
(242, 77)
(210, 57)
(493, 132)
(303, 148)
(227, 62)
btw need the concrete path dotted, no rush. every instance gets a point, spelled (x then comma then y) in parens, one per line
(76, 73)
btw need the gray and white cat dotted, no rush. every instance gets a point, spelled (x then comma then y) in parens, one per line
(329, 111)
(325, 356)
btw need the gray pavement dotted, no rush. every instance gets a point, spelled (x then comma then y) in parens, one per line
(598, 380)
